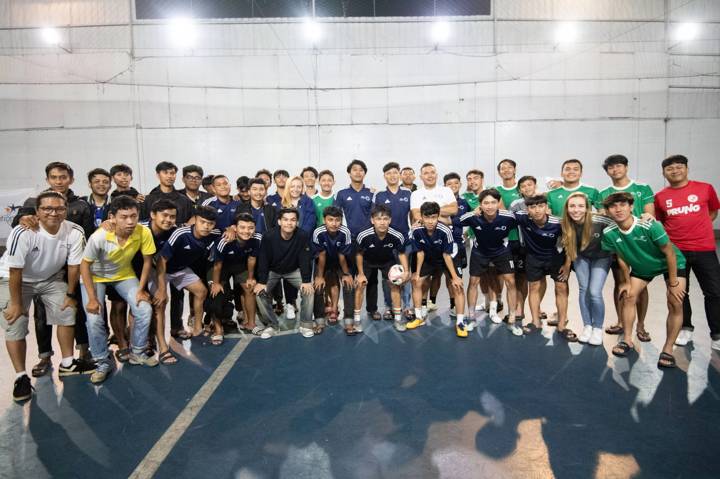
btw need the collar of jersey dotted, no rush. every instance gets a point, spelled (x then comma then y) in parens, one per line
(635, 220)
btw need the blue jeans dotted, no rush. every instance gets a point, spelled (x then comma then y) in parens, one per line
(591, 275)
(405, 295)
(98, 335)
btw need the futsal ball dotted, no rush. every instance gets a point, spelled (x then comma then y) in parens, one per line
(395, 274)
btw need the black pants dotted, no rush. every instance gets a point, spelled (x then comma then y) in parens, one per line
(177, 300)
(44, 331)
(707, 270)
(291, 293)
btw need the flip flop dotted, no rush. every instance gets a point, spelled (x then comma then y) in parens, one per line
(216, 339)
(180, 334)
(530, 328)
(167, 357)
(614, 329)
(568, 335)
(621, 349)
(666, 361)
(643, 336)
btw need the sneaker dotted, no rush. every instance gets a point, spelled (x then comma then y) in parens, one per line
(684, 337)
(596, 338)
(306, 332)
(76, 367)
(289, 311)
(495, 318)
(415, 323)
(480, 306)
(471, 324)
(515, 328)
(461, 329)
(22, 390)
(452, 312)
(431, 306)
(143, 360)
(268, 333)
(424, 311)
(358, 326)
(101, 373)
(586, 333)
(400, 326)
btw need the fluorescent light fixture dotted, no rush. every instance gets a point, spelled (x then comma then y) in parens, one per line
(685, 32)
(50, 35)
(440, 31)
(313, 30)
(182, 32)
(566, 32)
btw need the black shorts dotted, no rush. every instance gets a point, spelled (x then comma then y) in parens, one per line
(461, 256)
(537, 268)
(480, 264)
(372, 269)
(434, 269)
(681, 273)
(518, 256)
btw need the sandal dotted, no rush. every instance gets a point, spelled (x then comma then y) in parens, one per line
(552, 322)
(333, 317)
(123, 355)
(614, 329)
(216, 339)
(568, 335)
(317, 329)
(543, 315)
(530, 328)
(167, 357)
(388, 315)
(666, 361)
(350, 331)
(643, 336)
(621, 349)
(41, 368)
(376, 316)
(257, 330)
(180, 334)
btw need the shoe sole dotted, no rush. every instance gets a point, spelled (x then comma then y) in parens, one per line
(99, 381)
(142, 363)
(23, 398)
(64, 374)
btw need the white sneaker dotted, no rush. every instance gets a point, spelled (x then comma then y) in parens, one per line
(306, 332)
(289, 311)
(268, 333)
(400, 326)
(431, 306)
(715, 344)
(596, 338)
(471, 323)
(358, 326)
(480, 306)
(684, 337)
(495, 318)
(515, 329)
(452, 312)
(586, 333)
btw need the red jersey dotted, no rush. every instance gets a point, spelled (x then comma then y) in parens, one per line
(685, 213)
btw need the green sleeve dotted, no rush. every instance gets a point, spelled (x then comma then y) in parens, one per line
(607, 243)
(658, 234)
(596, 199)
(648, 197)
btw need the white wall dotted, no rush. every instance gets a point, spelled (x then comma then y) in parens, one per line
(253, 95)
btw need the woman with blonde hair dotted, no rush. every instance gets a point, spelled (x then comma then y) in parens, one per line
(582, 237)
(294, 197)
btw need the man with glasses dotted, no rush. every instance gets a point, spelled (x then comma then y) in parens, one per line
(192, 176)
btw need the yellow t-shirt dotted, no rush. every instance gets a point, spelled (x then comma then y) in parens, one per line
(111, 262)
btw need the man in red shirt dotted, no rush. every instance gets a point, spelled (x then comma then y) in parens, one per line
(687, 209)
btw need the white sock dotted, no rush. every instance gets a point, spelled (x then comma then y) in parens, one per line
(356, 316)
(20, 374)
(418, 313)
(460, 318)
(66, 362)
(493, 307)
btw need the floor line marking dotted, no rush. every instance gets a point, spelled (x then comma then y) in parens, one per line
(165, 444)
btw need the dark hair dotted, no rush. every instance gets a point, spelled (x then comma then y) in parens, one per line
(263, 171)
(206, 212)
(281, 173)
(165, 166)
(326, 172)
(192, 169)
(406, 168)
(122, 202)
(243, 183)
(451, 176)
(217, 177)
(620, 197)
(425, 165)
(360, 163)
(310, 169)
(162, 205)
(670, 160)
(256, 181)
(207, 181)
(246, 217)
(293, 211)
(380, 209)
(489, 192)
(333, 211)
(49, 194)
(429, 208)
(614, 160)
(390, 166)
(536, 200)
(120, 168)
(475, 172)
(572, 160)
(525, 178)
(60, 166)
(506, 160)
(97, 171)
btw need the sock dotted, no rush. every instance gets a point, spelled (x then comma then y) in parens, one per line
(433, 299)
(66, 362)
(397, 313)
(424, 302)
(356, 315)
(20, 374)
(493, 307)
(460, 318)
(418, 313)
(452, 303)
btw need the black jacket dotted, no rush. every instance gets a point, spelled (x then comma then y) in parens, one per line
(203, 196)
(185, 207)
(132, 193)
(284, 256)
(269, 214)
(79, 212)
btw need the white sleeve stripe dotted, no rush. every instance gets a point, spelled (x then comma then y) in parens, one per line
(13, 247)
(178, 232)
(209, 200)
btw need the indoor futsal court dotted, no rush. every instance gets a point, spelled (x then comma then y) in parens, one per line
(257, 160)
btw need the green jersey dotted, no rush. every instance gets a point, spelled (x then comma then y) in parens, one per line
(640, 246)
(509, 195)
(642, 193)
(473, 202)
(558, 197)
(320, 205)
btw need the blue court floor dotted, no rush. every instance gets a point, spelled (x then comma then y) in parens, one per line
(383, 404)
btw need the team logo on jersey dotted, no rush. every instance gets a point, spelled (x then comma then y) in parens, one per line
(668, 203)
(692, 198)
(500, 228)
(619, 240)
(641, 238)
(387, 201)
(422, 241)
(231, 252)
(371, 246)
(366, 198)
(349, 198)
(405, 199)
(389, 245)
(596, 235)
(219, 210)
(187, 246)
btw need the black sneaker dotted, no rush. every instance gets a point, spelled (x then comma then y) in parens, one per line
(23, 390)
(78, 366)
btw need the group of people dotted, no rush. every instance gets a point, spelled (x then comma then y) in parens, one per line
(248, 255)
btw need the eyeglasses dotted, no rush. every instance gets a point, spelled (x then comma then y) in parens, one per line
(193, 177)
(50, 210)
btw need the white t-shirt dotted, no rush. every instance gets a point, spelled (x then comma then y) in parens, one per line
(441, 195)
(40, 254)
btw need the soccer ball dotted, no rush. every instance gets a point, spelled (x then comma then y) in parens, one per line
(396, 273)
